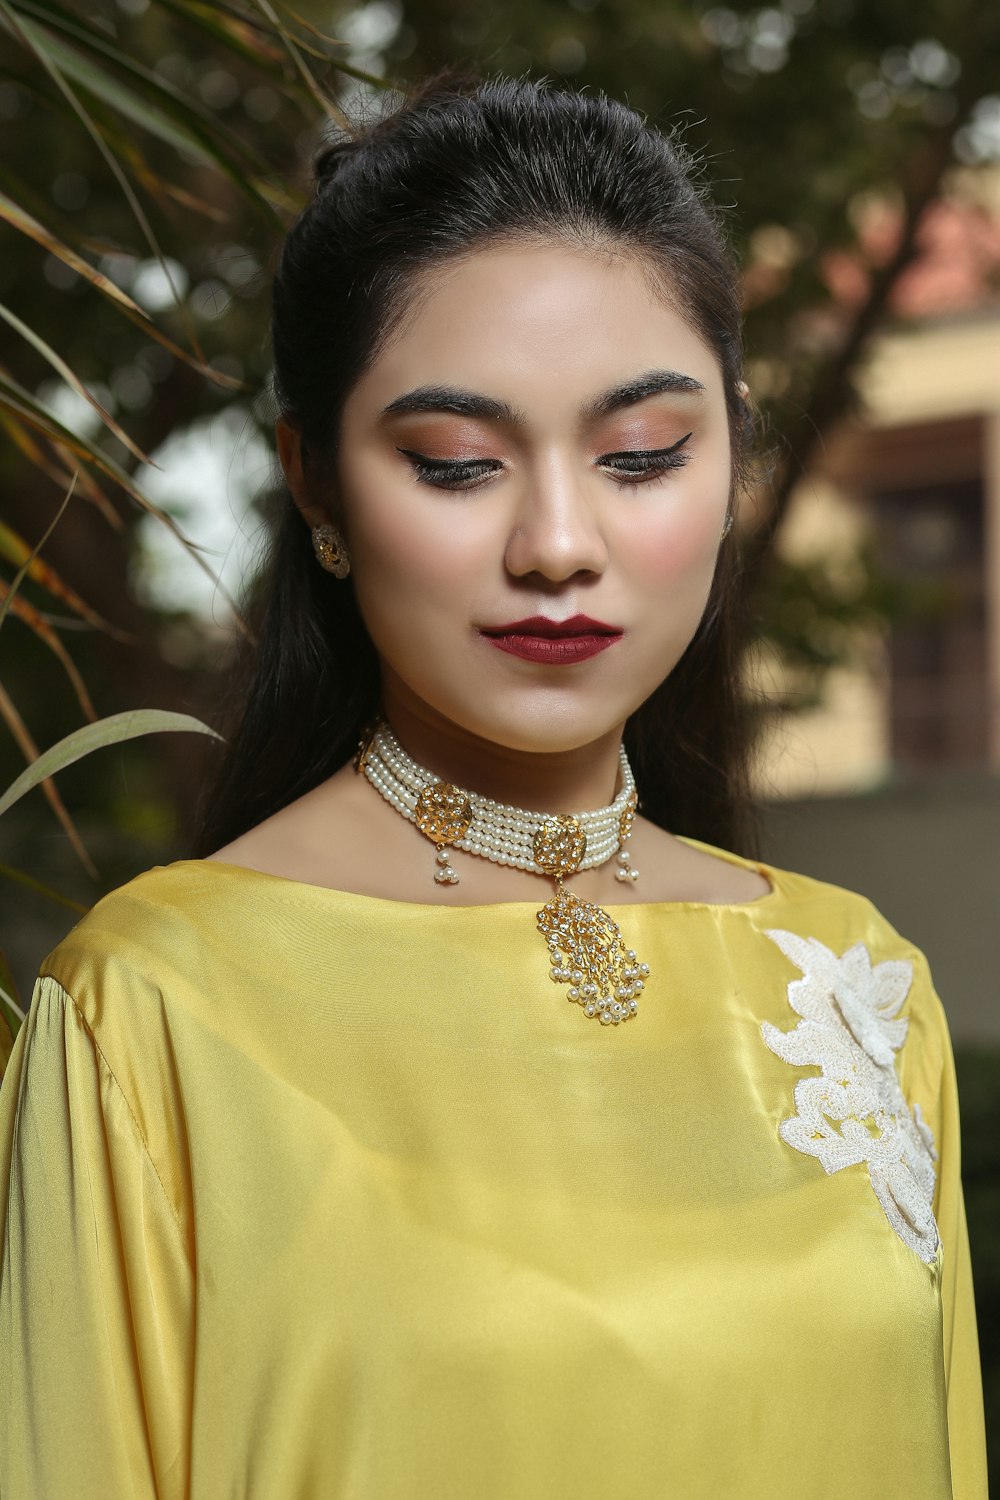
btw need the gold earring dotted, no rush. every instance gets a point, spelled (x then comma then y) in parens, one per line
(331, 550)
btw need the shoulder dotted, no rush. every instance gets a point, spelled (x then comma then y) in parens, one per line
(170, 976)
(171, 941)
(834, 940)
(830, 912)
(817, 926)
(135, 928)
(841, 918)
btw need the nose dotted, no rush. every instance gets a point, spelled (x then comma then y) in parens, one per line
(556, 532)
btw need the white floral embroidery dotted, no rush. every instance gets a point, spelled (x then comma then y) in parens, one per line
(849, 1029)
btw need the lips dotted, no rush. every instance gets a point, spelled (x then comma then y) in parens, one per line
(540, 626)
(553, 642)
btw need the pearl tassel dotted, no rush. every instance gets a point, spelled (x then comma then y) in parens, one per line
(444, 874)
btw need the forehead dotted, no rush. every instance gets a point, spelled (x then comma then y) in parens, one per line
(539, 322)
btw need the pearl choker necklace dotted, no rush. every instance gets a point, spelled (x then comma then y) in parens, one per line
(586, 950)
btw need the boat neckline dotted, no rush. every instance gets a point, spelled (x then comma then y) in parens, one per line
(760, 867)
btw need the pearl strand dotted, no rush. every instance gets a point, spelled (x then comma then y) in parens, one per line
(498, 831)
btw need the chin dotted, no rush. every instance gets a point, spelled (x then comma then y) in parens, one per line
(542, 729)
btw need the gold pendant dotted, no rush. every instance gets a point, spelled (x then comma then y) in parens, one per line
(587, 952)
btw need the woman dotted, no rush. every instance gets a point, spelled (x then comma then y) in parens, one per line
(318, 1186)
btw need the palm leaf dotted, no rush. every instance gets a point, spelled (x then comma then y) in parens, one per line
(173, 117)
(27, 443)
(113, 730)
(16, 550)
(34, 39)
(31, 883)
(323, 99)
(22, 735)
(236, 32)
(20, 402)
(340, 65)
(29, 615)
(73, 381)
(16, 216)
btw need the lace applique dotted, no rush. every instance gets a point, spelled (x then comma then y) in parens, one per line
(857, 1112)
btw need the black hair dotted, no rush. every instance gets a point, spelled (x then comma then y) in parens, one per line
(465, 162)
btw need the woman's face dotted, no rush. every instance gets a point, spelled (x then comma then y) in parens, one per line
(543, 438)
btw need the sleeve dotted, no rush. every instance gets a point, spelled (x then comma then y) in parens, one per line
(96, 1285)
(963, 1375)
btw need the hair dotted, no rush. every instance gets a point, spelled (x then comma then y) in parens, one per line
(464, 163)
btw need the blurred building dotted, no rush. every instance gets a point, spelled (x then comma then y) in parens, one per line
(892, 786)
(919, 478)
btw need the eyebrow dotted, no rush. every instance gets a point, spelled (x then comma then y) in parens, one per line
(474, 404)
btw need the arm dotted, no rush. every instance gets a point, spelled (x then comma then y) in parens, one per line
(96, 1285)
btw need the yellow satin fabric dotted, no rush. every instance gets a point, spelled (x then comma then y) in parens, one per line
(310, 1194)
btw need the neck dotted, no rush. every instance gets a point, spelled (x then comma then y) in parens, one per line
(580, 779)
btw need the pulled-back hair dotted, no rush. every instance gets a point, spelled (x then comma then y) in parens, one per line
(465, 163)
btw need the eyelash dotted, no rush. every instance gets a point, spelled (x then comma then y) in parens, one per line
(454, 474)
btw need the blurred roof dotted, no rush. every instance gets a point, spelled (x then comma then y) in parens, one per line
(958, 267)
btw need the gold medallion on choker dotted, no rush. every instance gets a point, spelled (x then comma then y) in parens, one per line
(586, 949)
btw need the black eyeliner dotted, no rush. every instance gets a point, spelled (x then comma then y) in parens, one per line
(649, 452)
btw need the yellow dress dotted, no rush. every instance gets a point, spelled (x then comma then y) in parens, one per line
(311, 1194)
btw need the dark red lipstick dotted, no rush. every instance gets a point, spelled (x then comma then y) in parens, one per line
(554, 642)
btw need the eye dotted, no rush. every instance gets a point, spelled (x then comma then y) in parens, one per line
(450, 473)
(644, 466)
(630, 468)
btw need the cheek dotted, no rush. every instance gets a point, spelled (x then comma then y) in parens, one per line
(423, 543)
(414, 567)
(677, 546)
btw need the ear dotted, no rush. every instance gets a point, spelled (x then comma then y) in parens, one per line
(288, 436)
